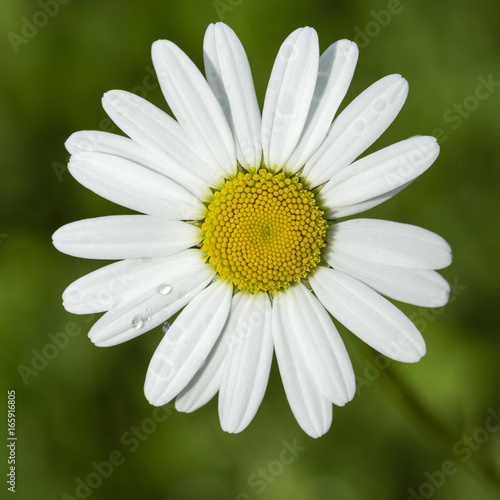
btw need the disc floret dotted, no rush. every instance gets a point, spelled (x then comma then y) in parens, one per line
(263, 231)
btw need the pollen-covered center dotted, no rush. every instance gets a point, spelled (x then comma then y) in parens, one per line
(263, 231)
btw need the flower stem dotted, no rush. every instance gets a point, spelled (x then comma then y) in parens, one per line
(446, 437)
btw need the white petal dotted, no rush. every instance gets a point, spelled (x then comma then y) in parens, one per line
(106, 287)
(356, 208)
(357, 128)
(125, 237)
(187, 344)
(248, 363)
(205, 384)
(381, 172)
(161, 159)
(163, 137)
(111, 285)
(390, 243)
(414, 286)
(289, 95)
(310, 407)
(336, 68)
(311, 332)
(87, 141)
(149, 303)
(195, 106)
(133, 186)
(230, 78)
(368, 315)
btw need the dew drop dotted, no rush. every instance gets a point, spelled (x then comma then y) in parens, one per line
(137, 322)
(163, 289)
(148, 309)
(166, 327)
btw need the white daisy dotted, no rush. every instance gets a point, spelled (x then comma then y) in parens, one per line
(241, 232)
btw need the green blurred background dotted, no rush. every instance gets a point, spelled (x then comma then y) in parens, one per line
(85, 405)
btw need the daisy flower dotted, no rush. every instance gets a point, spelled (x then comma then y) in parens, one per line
(241, 229)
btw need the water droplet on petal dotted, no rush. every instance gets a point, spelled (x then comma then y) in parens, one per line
(163, 289)
(147, 318)
(166, 327)
(137, 322)
(148, 309)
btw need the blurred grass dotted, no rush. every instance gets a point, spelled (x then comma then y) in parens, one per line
(84, 404)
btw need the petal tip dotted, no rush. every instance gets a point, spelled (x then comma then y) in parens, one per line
(70, 142)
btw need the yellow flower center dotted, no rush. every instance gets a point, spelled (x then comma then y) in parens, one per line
(263, 231)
